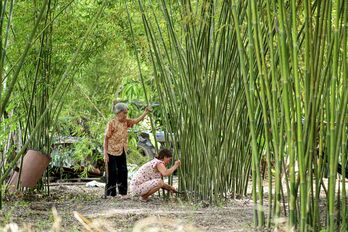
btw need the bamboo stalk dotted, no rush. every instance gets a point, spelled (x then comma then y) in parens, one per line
(141, 77)
(4, 100)
(300, 149)
(344, 224)
(332, 121)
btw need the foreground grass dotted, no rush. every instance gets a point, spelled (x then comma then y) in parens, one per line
(80, 208)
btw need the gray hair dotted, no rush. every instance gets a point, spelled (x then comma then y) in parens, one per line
(119, 107)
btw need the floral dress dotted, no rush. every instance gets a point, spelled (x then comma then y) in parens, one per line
(146, 178)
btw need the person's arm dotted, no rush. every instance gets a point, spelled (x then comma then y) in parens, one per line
(141, 117)
(167, 172)
(106, 142)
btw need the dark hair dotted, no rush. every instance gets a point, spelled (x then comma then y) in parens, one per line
(164, 153)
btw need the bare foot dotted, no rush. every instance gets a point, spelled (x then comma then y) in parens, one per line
(143, 199)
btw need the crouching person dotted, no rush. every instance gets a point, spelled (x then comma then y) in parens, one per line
(147, 179)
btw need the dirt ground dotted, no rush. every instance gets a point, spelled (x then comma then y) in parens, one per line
(81, 208)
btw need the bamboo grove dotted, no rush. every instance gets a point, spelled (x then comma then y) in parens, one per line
(31, 73)
(257, 88)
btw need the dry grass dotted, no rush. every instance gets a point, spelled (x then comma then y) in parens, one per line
(77, 208)
(152, 223)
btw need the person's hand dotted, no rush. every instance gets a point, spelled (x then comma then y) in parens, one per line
(148, 109)
(177, 163)
(173, 189)
(106, 158)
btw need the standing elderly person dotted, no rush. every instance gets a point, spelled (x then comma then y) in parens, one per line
(115, 149)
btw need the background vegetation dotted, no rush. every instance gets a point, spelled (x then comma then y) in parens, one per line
(249, 90)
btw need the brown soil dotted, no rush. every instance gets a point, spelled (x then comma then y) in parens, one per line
(113, 214)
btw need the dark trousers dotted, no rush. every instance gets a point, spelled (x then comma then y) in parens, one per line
(118, 175)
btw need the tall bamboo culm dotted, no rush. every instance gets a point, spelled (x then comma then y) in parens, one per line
(246, 83)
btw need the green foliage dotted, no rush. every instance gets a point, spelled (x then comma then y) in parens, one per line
(86, 153)
(134, 156)
(62, 157)
(242, 79)
(7, 216)
(107, 72)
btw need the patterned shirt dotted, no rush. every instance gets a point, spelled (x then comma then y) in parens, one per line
(147, 172)
(117, 135)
